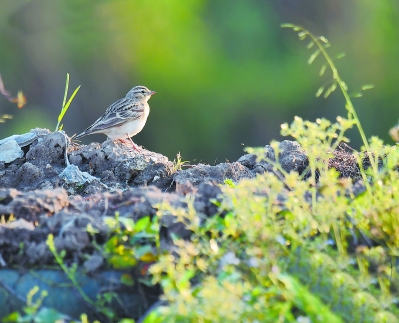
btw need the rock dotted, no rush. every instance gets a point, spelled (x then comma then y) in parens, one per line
(48, 150)
(204, 173)
(158, 174)
(117, 166)
(72, 175)
(203, 203)
(28, 176)
(10, 151)
(22, 140)
(292, 157)
(248, 160)
(286, 146)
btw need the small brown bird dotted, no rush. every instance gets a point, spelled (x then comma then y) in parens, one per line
(125, 118)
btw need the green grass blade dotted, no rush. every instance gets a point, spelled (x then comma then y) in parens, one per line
(66, 90)
(66, 105)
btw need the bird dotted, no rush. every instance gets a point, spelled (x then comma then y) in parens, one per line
(125, 118)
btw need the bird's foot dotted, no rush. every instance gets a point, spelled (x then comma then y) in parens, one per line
(129, 142)
(136, 147)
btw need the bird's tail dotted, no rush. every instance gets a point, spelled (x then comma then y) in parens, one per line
(80, 135)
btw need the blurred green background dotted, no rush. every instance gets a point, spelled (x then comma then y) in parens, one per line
(226, 74)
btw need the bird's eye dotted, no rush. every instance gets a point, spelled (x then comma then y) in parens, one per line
(143, 92)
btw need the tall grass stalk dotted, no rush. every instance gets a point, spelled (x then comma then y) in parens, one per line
(65, 105)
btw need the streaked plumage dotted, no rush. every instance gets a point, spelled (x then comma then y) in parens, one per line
(124, 118)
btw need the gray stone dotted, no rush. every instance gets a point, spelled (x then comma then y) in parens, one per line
(10, 151)
(22, 140)
(248, 160)
(72, 175)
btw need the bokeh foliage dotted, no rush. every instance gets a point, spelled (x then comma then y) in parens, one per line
(225, 74)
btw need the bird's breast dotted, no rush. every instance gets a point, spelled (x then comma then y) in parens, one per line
(129, 128)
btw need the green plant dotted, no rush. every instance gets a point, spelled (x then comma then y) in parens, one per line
(330, 86)
(178, 163)
(34, 312)
(277, 255)
(135, 242)
(274, 260)
(65, 105)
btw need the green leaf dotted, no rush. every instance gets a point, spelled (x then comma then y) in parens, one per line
(313, 56)
(155, 317)
(127, 280)
(302, 35)
(341, 55)
(357, 95)
(142, 224)
(126, 321)
(123, 262)
(83, 318)
(320, 91)
(310, 45)
(323, 39)
(13, 317)
(231, 224)
(127, 222)
(111, 244)
(330, 90)
(110, 222)
(287, 25)
(367, 87)
(146, 281)
(142, 250)
(184, 281)
(62, 253)
(229, 182)
(148, 257)
(323, 69)
(140, 236)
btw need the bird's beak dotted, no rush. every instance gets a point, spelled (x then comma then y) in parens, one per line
(152, 92)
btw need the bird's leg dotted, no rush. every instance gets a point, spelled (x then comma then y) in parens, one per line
(135, 147)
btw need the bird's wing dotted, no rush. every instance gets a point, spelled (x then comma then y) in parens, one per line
(118, 113)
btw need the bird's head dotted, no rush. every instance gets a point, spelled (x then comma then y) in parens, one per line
(140, 93)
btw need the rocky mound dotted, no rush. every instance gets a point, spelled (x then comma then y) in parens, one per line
(49, 185)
